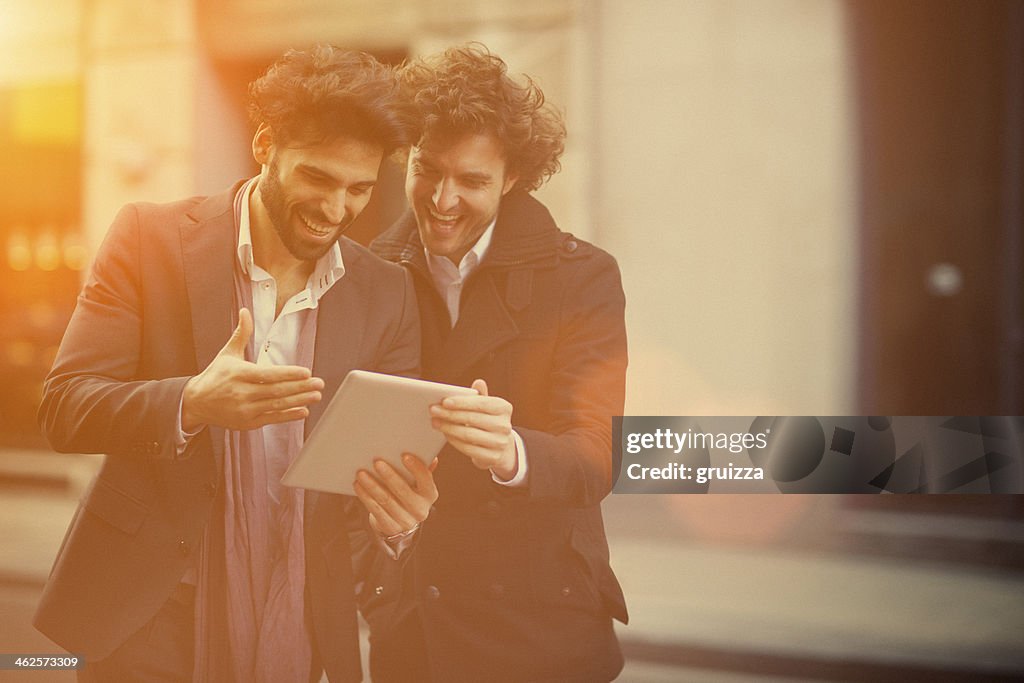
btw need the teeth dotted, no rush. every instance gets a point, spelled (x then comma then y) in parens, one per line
(445, 218)
(317, 229)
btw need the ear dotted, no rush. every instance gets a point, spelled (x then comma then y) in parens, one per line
(510, 182)
(262, 142)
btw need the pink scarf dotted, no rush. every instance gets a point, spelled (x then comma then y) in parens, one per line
(251, 614)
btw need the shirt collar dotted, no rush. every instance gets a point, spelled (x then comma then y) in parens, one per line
(442, 264)
(329, 268)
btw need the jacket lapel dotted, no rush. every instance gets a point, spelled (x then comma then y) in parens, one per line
(525, 239)
(208, 248)
(484, 324)
(340, 324)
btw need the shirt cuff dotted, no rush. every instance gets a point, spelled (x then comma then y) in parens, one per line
(183, 437)
(394, 549)
(519, 480)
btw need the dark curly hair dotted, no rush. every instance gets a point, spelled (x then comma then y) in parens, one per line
(467, 89)
(318, 95)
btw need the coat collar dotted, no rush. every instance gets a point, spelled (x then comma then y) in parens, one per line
(525, 238)
(525, 234)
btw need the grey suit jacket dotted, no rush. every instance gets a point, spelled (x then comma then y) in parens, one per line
(156, 309)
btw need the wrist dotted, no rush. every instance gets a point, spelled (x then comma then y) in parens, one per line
(509, 465)
(395, 538)
(190, 419)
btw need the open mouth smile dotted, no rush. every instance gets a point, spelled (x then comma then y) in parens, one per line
(443, 217)
(318, 229)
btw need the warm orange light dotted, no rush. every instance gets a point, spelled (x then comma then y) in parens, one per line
(41, 314)
(48, 254)
(46, 114)
(19, 252)
(19, 353)
(76, 256)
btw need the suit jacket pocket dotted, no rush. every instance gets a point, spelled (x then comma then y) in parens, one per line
(115, 507)
(600, 574)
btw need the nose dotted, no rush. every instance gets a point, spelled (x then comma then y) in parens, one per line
(333, 206)
(445, 196)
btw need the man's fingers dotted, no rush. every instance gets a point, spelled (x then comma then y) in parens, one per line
(384, 503)
(492, 405)
(472, 435)
(269, 374)
(380, 520)
(239, 338)
(472, 418)
(277, 404)
(257, 391)
(374, 524)
(469, 418)
(278, 417)
(423, 475)
(412, 501)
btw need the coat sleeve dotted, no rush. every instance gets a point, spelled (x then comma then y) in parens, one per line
(93, 400)
(572, 460)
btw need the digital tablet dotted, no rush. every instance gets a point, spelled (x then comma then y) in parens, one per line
(372, 416)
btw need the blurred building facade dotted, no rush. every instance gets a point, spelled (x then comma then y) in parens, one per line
(710, 149)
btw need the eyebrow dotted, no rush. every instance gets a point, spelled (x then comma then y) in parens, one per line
(470, 176)
(478, 176)
(425, 158)
(319, 172)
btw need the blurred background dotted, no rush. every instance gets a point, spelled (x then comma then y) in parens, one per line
(816, 206)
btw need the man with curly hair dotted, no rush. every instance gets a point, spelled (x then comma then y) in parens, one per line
(509, 579)
(188, 560)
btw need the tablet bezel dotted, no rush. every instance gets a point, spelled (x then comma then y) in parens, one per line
(371, 416)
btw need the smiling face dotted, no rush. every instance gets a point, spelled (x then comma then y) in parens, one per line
(454, 186)
(311, 194)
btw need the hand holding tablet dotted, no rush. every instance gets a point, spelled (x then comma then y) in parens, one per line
(371, 417)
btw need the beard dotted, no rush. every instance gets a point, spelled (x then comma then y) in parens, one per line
(272, 194)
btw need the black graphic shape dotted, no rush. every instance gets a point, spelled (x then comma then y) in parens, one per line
(905, 475)
(985, 466)
(842, 440)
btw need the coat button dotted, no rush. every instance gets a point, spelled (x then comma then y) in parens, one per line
(496, 591)
(211, 489)
(153, 448)
(378, 590)
(184, 547)
(571, 246)
(566, 591)
(433, 592)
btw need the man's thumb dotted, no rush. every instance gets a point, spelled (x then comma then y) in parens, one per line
(480, 386)
(239, 339)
